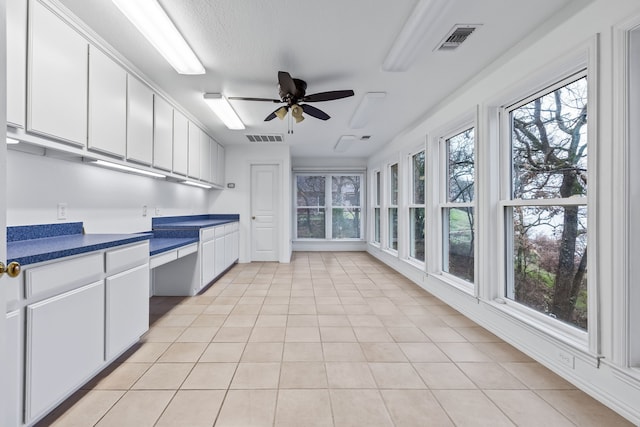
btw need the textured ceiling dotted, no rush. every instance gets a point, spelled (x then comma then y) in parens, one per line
(331, 44)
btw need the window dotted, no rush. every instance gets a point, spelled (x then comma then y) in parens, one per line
(345, 215)
(546, 214)
(458, 220)
(416, 208)
(376, 207)
(393, 207)
(328, 206)
(310, 206)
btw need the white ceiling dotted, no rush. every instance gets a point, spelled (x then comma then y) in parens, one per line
(331, 44)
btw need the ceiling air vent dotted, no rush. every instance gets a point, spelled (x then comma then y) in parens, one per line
(274, 137)
(456, 36)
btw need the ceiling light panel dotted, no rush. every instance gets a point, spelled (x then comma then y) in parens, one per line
(365, 111)
(425, 16)
(344, 143)
(154, 23)
(221, 107)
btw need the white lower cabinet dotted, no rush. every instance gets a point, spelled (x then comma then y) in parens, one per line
(207, 261)
(14, 365)
(220, 255)
(127, 309)
(64, 345)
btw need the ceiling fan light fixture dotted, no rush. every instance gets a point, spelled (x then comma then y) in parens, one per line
(154, 23)
(296, 113)
(424, 18)
(281, 113)
(225, 112)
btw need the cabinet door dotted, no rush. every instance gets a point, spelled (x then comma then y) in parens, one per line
(127, 309)
(235, 249)
(214, 161)
(14, 346)
(58, 55)
(65, 345)
(220, 256)
(194, 151)
(162, 133)
(205, 157)
(207, 261)
(107, 104)
(228, 247)
(16, 62)
(180, 143)
(220, 172)
(139, 121)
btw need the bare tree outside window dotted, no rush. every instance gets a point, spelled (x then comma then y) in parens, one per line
(549, 241)
(310, 198)
(457, 212)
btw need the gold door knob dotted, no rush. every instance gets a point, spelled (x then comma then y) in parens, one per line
(13, 269)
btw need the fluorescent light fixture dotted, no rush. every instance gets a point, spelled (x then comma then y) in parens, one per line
(423, 19)
(154, 23)
(196, 184)
(127, 168)
(11, 141)
(225, 112)
(370, 102)
(344, 143)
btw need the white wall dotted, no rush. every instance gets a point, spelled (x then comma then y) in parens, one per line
(106, 201)
(602, 369)
(238, 161)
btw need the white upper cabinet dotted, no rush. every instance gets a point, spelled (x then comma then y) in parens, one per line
(205, 157)
(220, 171)
(194, 151)
(162, 134)
(16, 62)
(213, 161)
(58, 55)
(180, 142)
(139, 121)
(107, 104)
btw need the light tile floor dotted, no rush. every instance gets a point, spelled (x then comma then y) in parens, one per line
(332, 339)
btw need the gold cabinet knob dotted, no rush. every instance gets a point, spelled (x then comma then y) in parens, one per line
(13, 269)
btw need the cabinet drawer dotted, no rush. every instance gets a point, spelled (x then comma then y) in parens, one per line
(163, 258)
(131, 256)
(207, 234)
(63, 274)
(220, 231)
(187, 250)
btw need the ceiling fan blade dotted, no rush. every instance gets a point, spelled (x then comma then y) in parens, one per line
(328, 96)
(315, 112)
(274, 114)
(287, 85)
(241, 98)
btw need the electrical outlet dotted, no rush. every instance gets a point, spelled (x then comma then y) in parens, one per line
(158, 212)
(62, 211)
(144, 210)
(566, 359)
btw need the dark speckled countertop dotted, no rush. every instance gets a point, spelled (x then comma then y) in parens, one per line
(45, 242)
(29, 244)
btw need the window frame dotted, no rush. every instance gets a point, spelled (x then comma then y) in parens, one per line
(376, 203)
(445, 204)
(571, 70)
(389, 206)
(328, 206)
(411, 204)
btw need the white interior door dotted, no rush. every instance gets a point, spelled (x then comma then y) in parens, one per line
(3, 212)
(265, 200)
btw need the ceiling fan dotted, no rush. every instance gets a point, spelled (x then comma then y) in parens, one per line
(292, 93)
